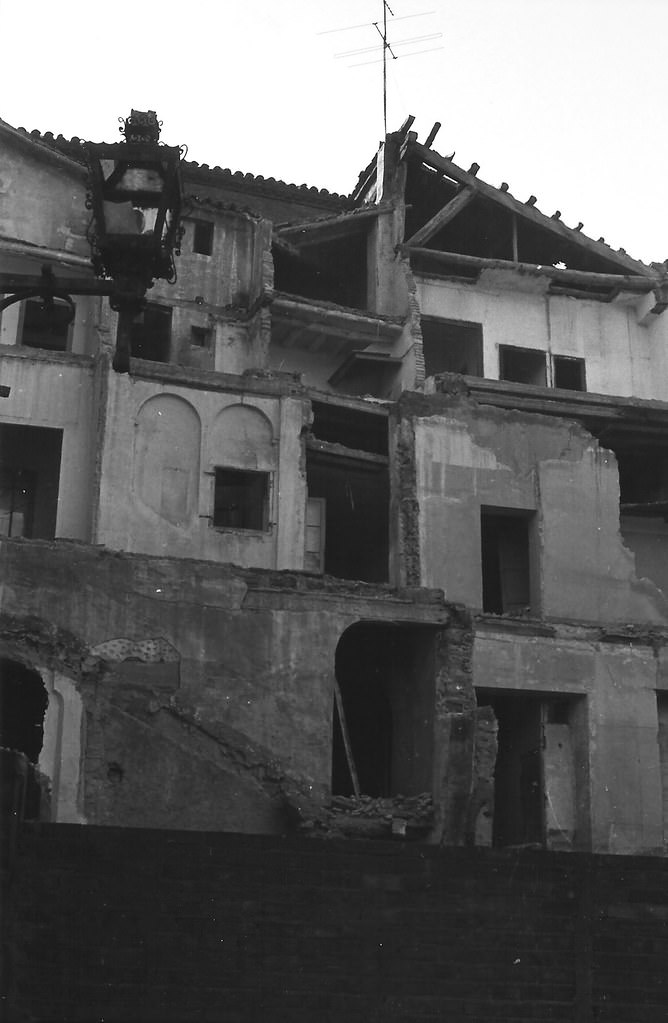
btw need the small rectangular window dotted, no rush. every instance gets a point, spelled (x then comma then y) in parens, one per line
(506, 577)
(452, 346)
(152, 333)
(569, 373)
(46, 328)
(203, 237)
(241, 499)
(200, 337)
(522, 365)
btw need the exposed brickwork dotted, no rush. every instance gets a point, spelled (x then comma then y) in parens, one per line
(133, 925)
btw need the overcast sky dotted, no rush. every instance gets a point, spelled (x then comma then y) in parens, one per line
(565, 99)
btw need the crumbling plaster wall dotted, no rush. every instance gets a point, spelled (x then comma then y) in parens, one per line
(57, 392)
(207, 690)
(622, 356)
(161, 446)
(468, 455)
(42, 196)
(615, 675)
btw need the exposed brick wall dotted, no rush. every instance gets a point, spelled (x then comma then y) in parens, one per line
(133, 925)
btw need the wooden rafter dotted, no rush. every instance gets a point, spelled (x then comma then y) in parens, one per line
(522, 210)
(443, 217)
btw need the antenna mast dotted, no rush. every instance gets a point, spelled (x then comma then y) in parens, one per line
(386, 47)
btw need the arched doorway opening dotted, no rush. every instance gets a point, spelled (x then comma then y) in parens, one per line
(23, 703)
(383, 716)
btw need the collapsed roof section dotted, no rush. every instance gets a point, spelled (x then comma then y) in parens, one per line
(457, 225)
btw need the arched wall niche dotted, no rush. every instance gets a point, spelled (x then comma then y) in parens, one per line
(242, 437)
(166, 458)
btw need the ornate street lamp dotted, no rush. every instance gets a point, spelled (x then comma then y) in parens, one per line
(135, 199)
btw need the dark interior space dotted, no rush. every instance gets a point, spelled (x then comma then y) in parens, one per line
(362, 372)
(356, 496)
(506, 575)
(569, 373)
(330, 271)
(361, 431)
(386, 678)
(152, 333)
(485, 228)
(29, 480)
(452, 346)
(519, 816)
(643, 478)
(522, 365)
(23, 702)
(241, 499)
(46, 327)
(538, 793)
(203, 237)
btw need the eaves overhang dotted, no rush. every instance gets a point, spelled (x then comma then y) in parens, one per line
(304, 323)
(602, 414)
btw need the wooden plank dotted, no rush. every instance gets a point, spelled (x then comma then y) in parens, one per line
(625, 282)
(443, 217)
(528, 213)
(346, 739)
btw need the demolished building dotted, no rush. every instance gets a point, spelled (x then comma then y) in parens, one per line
(371, 538)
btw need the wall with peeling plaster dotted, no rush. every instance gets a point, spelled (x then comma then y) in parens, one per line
(207, 691)
(59, 393)
(622, 355)
(468, 456)
(162, 445)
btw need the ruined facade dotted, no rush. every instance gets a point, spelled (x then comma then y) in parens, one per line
(370, 540)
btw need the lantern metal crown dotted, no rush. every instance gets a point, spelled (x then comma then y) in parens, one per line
(135, 198)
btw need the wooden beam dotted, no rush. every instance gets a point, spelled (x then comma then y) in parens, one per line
(443, 217)
(346, 739)
(528, 213)
(624, 282)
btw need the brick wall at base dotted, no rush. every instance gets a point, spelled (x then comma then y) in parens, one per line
(133, 926)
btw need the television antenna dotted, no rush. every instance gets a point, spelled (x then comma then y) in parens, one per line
(387, 46)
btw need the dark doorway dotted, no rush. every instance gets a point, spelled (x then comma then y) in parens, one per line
(386, 678)
(541, 739)
(29, 480)
(23, 702)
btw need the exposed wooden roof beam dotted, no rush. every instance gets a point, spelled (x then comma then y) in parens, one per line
(528, 213)
(443, 217)
(624, 282)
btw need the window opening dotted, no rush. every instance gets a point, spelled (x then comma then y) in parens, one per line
(569, 373)
(241, 499)
(200, 337)
(152, 333)
(203, 237)
(29, 480)
(506, 579)
(355, 499)
(46, 328)
(522, 365)
(452, 346)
